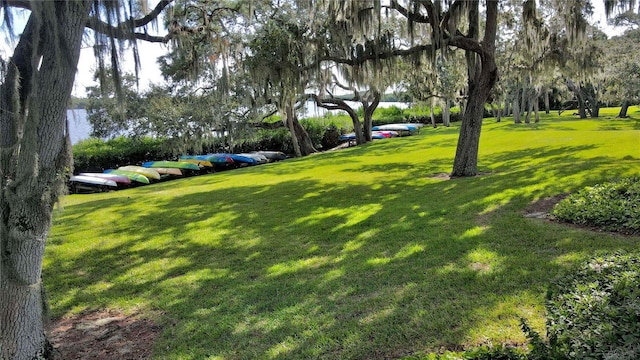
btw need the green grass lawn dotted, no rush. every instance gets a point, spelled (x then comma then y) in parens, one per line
(359, 253)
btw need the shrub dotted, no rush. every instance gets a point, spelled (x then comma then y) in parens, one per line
(594, 312)
(389, 114)
(97, 154)
(331, 137)
(612, 206)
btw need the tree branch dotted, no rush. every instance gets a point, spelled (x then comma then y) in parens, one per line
(408, 14)
(152, 15)
(118, 31)
(125, 30)
(373, 56)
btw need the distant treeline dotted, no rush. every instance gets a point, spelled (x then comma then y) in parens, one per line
(78, 103)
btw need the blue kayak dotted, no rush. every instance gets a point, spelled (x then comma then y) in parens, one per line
(240, 159)
(212, 158)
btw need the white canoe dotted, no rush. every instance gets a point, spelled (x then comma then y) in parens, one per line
(92, 180)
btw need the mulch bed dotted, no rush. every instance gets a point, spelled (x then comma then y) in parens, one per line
(103, 335)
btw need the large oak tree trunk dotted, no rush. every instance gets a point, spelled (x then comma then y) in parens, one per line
(34, 162)
(480, 85)
(289, 119)
(546, 101)
(368, 114)
(577, 90)
(358, 129)
(623, 109)
(516, 108)
(446, 113)
(304, 140)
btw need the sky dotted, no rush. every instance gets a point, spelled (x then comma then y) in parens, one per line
(149, 52)
(149, 71)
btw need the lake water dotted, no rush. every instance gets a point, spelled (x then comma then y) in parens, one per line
(80, 129)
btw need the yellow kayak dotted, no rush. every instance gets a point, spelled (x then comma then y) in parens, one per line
(168, 171)
(197, 162)
(150, 173)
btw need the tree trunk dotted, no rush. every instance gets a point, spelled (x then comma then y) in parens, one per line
(523, 103)
(304, 141)
(432, 115)
(368, 114)
(527, 118)
(582, 107)
(506, 110)
(496, 111)
(466, 160)
(516, 109)
(595, 110)
(446, 113)
(577, 91)
(536, 109)
(546, 101)
(34, 162)
(623, 109)
(595, 105)
(289, 114)
(358, 130)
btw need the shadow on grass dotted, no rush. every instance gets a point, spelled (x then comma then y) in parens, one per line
(302, 269)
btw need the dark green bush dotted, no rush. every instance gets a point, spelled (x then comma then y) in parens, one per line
(612, 206)
(594, 312)
(97, 154)
(331, 137)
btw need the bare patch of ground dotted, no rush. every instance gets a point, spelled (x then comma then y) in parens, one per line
(104, 335)
(440, 176)
(541, 208)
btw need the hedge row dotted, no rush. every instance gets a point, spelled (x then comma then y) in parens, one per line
(98, 155)
(611, 206)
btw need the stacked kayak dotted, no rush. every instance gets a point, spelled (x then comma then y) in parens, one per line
(385, 133)
(154, 171)
(168, 172)
(90, 184)
(200, 163)
(171, 164)
(149, 173)
(240, 160)
(259, 158)
(219, 162)
(272, 155)
(402, 129)
(118, 179)
(378, 134)
(133, 176)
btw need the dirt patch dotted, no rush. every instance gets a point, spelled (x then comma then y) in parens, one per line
(542, 207)
(447, 176)
(103, 335)
(440, 176)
